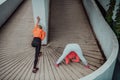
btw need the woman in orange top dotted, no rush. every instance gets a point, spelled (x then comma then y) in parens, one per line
(39, 35)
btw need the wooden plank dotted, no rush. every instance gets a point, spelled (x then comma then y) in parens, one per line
(46, 66)
(51, 74)
(10, 70)
(97, 65)
(93, 67)
(37, 76)
(52, 62)
(94, 56)
(23, 76)
(10, 60)
(94, 60)
(29, 73)
(21, 68)
(42, 68)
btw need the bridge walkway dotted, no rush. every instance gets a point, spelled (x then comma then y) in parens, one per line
(68, 24)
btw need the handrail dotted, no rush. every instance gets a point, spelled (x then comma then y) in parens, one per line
(7, 7)
(2, 1)
(106, 38)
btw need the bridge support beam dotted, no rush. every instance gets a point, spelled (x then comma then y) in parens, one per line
(41, 8)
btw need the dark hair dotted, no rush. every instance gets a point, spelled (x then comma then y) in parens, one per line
(40, 26)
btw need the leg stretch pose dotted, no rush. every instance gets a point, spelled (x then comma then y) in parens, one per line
(37, 52)
(39, 35)
(68, 49)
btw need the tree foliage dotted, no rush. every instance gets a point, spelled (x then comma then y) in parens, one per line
(109, 13)
(115, 25)
(117, 22)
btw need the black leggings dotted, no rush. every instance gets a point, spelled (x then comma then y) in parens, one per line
(37, 50)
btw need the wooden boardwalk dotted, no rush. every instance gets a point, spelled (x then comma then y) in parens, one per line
(68, 24)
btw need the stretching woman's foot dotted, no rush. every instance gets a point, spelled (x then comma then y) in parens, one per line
(40, 54)
(35, 70)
